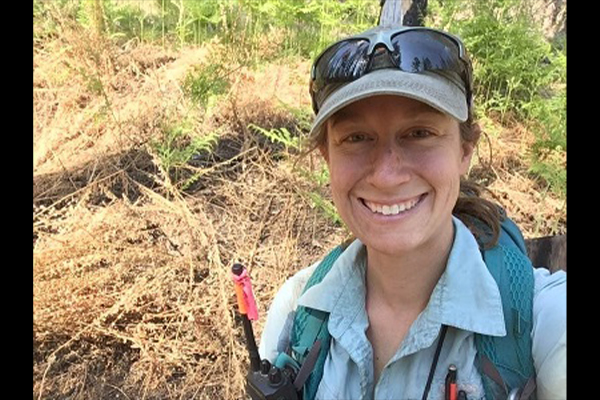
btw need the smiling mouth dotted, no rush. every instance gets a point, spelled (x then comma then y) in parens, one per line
(393, 209)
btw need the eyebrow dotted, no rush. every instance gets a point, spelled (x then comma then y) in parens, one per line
(345, 115)
(340, 116)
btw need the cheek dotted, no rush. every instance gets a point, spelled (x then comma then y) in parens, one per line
(345, 175)
(341, 176)
(442, 170)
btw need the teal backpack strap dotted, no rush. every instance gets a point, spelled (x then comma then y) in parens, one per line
(310, 325)
(506, 362)
(513, 235)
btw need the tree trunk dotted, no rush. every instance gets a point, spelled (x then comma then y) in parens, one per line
(391, 13)
(549, 252)
(415, 16)
(402, 12)
(98, 17)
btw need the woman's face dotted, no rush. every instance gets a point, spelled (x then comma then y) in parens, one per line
(395, 165)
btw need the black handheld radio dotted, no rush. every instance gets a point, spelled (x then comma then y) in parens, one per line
(264, 381)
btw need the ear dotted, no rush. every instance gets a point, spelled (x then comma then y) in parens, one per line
(324, 152)
(467, 154)
(468, 143)
(324, 142)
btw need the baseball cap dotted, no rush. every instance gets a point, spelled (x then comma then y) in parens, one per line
(434, 88)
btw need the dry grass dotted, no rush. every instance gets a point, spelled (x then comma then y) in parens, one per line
(502, 165)
(149, 280)
(132, 294)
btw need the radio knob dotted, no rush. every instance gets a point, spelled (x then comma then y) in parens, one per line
(274, 375)
(265, 366)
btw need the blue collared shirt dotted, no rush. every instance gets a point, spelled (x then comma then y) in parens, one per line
(466, 299)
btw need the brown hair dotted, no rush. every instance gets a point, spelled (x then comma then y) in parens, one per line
(481, 216)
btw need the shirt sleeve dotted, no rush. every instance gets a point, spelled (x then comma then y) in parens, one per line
(275, 337)
(549, 334)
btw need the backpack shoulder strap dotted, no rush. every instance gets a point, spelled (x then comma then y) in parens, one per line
(509, 355)
(310, 325)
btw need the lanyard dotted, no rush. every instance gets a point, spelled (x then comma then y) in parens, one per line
(436, 356)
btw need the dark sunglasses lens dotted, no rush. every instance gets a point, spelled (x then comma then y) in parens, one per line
(414, 51)
(427, 51)
(343, 62)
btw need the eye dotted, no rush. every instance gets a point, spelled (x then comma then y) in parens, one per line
(421, 133)
(356, 138)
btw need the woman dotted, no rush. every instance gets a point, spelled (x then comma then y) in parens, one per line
(408, 298)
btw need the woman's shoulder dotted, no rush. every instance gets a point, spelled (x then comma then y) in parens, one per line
(545, 280)
(549, 304)
(550, 297)
(286, 298)
(276, 331)
(293, 287)
(549, 334)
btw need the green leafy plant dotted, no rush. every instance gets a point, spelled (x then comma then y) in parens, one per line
(552, 168)
(304, 27)
(204, 83)
(320, 177)
(127, 21)
(280, 136)
(302, 116)
(507, 51)
(325, 206)
(178, 147)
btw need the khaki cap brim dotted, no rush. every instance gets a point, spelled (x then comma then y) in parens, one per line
(430, 88)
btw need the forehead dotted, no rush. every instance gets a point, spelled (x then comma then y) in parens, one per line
(396, 105)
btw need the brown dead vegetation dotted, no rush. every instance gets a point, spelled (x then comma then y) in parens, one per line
(132, 293)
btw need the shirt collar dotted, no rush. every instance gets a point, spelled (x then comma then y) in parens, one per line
(466, 296)
(346, 274)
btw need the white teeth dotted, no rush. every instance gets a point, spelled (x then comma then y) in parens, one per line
(389, 210)
(393, 209)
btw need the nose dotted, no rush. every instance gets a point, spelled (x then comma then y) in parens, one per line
(389, 166)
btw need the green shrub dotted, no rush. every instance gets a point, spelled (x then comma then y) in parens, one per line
(517, 72)
(204, 83)
(178, 147)
(551, 167)
(279, 136)
(325, 206)
(127, 22)
(508, 52)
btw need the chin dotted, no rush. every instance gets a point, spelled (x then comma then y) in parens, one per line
(391, 245)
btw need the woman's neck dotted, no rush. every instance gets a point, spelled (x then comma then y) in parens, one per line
(405, 281)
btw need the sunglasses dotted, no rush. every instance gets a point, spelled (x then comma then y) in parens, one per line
(410, 49)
